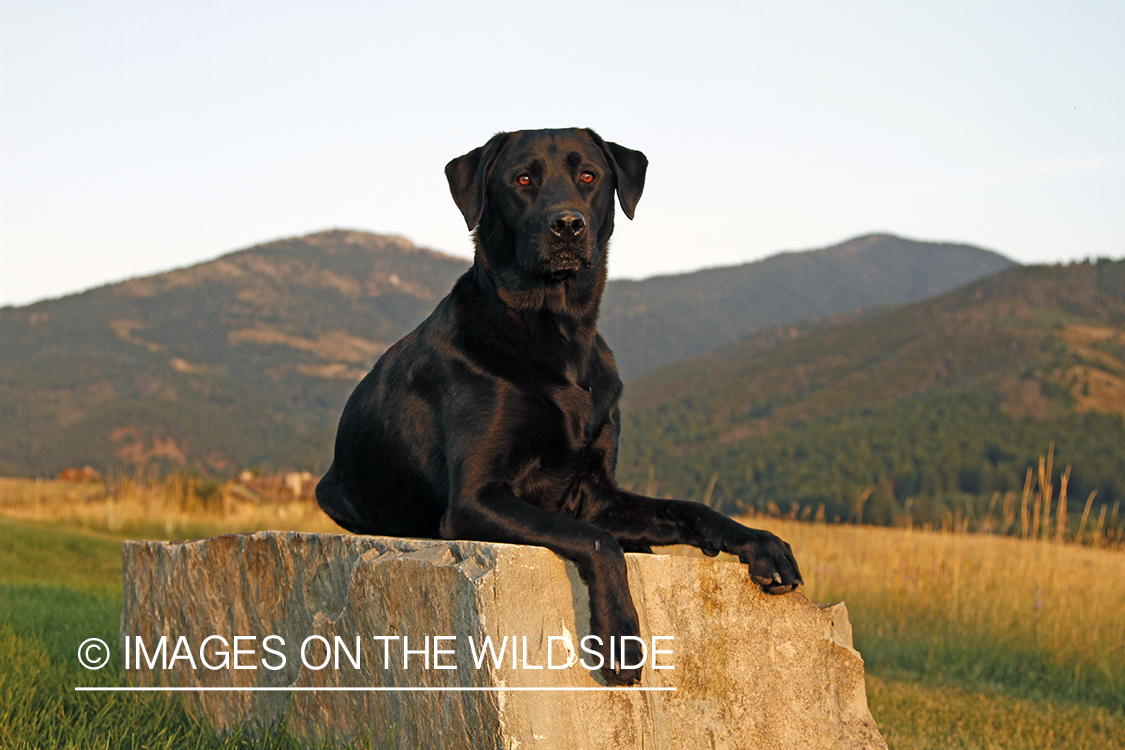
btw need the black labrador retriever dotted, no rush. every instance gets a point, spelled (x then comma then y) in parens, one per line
(497, 418)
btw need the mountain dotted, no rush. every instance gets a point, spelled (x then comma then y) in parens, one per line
(248, 359)
(951, 399)
(660, 320)
(239, 361)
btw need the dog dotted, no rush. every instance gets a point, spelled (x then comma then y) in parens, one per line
(497, 418)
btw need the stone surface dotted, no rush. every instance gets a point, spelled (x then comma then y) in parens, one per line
(749, 670)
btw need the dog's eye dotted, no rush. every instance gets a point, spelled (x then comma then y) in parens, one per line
(524, 179)
(587, 177)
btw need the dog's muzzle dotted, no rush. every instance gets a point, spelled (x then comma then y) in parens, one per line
(567, 247)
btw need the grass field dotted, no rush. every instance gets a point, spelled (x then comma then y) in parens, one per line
(147, 506)
(976, 641)
(970, 641)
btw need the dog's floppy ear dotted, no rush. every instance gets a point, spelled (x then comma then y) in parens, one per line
(468, 178)
(629, 168)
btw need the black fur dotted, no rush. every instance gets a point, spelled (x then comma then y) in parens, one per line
(497, 418)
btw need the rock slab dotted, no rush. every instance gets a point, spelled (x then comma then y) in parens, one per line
(319, 620)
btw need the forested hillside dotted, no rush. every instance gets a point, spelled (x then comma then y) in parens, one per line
(925, 408)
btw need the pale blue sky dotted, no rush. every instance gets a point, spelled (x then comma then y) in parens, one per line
(141, 136)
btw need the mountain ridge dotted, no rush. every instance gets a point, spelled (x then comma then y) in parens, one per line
(247, 359)
(868, 270)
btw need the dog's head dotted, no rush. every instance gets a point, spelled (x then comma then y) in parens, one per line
(541, 201)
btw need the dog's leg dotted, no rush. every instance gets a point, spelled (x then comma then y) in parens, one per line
(502, 517)
(637, 521)
(330, 498)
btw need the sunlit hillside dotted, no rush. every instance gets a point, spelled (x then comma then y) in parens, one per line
(942, 406)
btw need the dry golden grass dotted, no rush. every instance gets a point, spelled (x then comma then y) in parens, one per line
(1065, 601)
(147, 505)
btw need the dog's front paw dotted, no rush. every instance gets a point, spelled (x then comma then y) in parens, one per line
(621, 677)
(625, 669)
(617, 632)
(771, 563)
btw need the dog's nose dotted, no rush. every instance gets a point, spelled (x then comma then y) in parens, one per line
(566, 223)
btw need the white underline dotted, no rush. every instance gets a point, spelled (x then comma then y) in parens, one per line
(362, 689)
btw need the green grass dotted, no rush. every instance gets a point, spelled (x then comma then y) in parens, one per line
(924, 715)
(37, 554)
(58, 587)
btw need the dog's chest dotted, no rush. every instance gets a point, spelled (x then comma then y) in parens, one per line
(579, 412)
